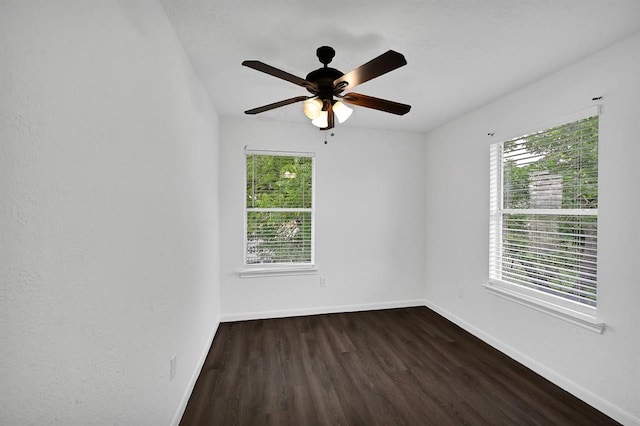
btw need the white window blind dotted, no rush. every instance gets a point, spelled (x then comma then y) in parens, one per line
(544, 212)
(279, 210)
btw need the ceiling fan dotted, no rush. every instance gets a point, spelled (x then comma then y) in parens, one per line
(328, 102)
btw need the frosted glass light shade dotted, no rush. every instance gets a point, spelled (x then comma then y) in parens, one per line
(312, 108)
(322, 120)
(341, 111)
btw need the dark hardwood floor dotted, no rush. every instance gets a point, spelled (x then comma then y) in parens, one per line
(391, 367)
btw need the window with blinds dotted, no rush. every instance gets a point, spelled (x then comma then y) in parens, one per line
(279, 209)
(544, 212)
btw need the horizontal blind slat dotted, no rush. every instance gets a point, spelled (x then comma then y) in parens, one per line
(559, 288)
(582, 296)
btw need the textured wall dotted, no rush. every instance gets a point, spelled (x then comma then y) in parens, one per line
(602, 369)
(108, 214)
(369, 219)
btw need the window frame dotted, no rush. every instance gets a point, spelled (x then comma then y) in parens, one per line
(575, 312)
(253, 270)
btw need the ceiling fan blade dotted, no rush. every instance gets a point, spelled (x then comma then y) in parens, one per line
(384, 63)
(276, 105)
(376, 103)
(268, 69)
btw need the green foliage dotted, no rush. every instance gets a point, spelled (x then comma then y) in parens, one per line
(283, 183)
(278, 182)
(569, 151)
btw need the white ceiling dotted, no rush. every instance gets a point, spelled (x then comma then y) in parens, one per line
(461, 54)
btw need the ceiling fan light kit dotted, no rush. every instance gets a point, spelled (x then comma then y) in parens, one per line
(312, 107)
(328, 103)
(322, 120)
(342, 111)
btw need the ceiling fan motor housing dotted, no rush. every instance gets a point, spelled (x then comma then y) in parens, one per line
(324, 78)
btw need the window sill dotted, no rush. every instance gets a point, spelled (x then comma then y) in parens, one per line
(277, 271)
(580, 319)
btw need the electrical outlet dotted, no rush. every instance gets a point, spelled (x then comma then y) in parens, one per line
(172, 367)
(323, 281)
(460, 292)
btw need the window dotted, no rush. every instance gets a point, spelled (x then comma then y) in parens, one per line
(279, 214)
(544, 215)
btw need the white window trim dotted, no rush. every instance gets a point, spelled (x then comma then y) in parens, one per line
(545, 303)
(567, 310)
(279, 269)
(276, 271)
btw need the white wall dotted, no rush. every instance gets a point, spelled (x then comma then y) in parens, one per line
(108, 215)
(602, 369)
(369, 220)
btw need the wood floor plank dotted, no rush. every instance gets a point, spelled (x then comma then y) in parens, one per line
(405, 366)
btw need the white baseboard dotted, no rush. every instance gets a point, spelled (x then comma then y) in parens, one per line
(194, 378)
(553, 376)
(244, 316)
